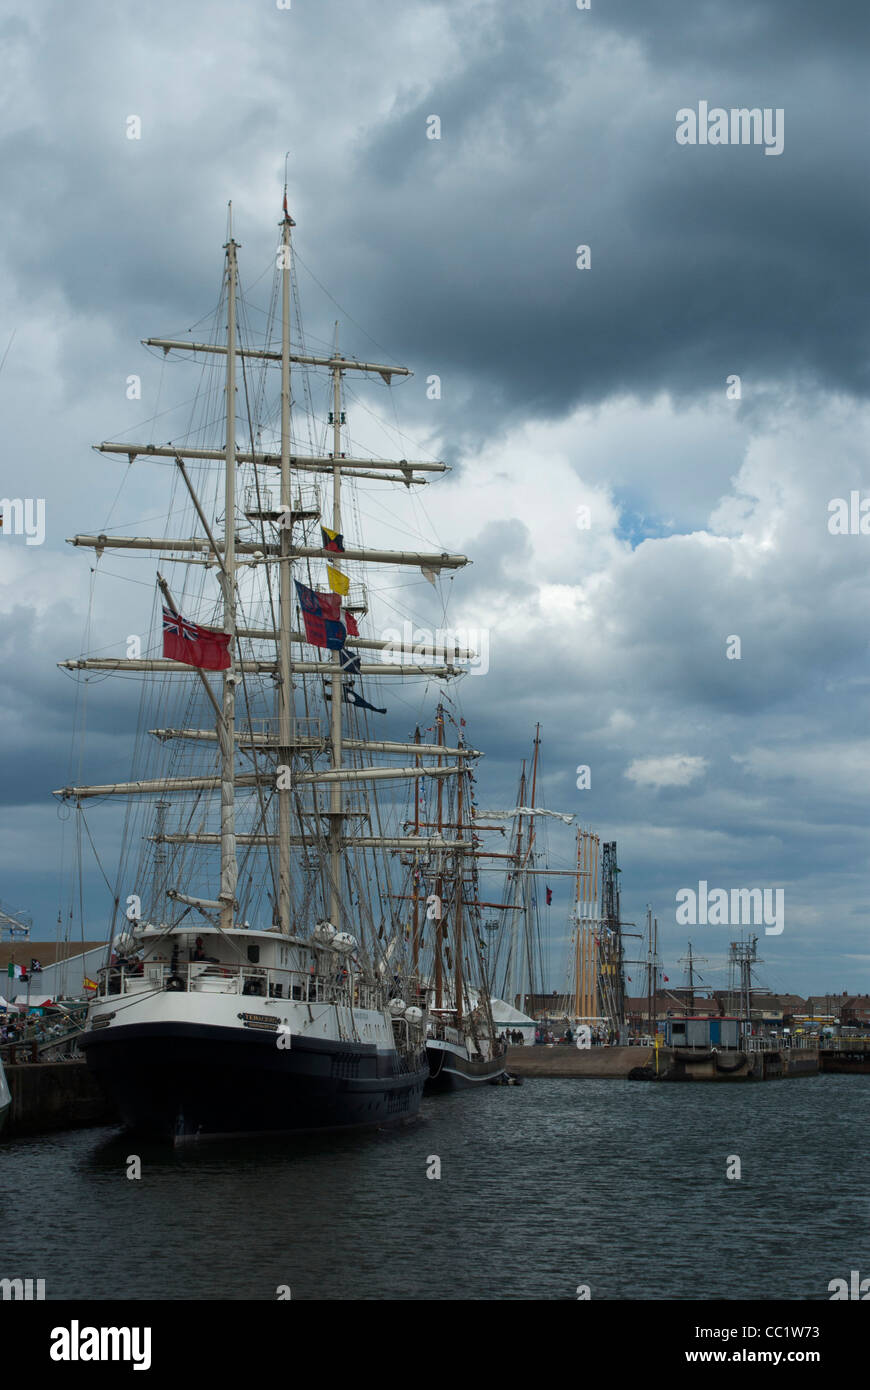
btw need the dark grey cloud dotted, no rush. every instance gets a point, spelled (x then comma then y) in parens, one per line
(458, 255)
(557, 128)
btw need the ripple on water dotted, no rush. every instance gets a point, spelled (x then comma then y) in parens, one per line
(543, 1187)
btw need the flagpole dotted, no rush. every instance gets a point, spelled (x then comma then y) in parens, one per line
(335, 797)
(285, 599)
(227, 723)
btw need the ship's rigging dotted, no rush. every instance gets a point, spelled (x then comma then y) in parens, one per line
(206, 781)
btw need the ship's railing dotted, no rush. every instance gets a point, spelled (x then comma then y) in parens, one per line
(409, 1044)
(266, 501)
(259, 499)
(304, 500)
(265, 728)
(442, 1032)
(357, 600)
(252, 981)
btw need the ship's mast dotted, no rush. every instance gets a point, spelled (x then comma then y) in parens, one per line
(335, 800)
(439, 882)
(228, 551)
(581, 1008)
(416, 881)
(691, 972)
(611, 972)
(227, 724)
(285, 590)
(651, 991)
(515, 996)
(459, 881)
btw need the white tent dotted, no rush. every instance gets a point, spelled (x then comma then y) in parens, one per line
(36, 1001)
(506, 1016)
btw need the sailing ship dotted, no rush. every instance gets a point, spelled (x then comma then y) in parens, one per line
(262, 981)
(470, 1026)
(462, 1043)
(517, 970)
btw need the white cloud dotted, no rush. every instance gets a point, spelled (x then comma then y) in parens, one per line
(672, 770)
(620, 721)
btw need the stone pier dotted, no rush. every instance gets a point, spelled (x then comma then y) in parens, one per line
(54, 1095)
(562, 1059)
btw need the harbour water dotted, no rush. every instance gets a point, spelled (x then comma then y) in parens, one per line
(543, 1188)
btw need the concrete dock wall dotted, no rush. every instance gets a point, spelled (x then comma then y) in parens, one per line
(674, 1064)
(563, 1060)
(54, 1095)
(693, 1064)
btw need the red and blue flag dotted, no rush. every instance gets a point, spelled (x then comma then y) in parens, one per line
(321, 616)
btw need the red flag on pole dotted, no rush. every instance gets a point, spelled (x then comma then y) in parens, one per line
(350, 623)
(205, 647)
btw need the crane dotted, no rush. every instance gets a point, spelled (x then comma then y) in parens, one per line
(14, 925)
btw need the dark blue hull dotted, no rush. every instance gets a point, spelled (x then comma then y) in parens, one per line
(450, 1072)
(177, 1081)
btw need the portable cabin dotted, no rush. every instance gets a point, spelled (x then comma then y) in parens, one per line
(706, 1032)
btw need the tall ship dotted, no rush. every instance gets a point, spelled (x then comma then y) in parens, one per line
(264, 975)
(449, 944)
(523, 871)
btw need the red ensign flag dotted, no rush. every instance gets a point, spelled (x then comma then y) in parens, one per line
(205, 647)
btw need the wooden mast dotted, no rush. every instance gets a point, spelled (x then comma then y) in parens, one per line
(285, 591)
(529, 861)
(595, 1007)
(227, 723)
(439, 882)
(650, 989)
(415, 941)
(585, 916)
(579, 958)
(458, 894)
(516, 977)
(335, 798)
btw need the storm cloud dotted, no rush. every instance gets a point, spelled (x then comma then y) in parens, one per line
(560, 389)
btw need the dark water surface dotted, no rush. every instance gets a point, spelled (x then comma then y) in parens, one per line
(543, 1187)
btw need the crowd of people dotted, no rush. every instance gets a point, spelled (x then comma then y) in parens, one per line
(546, 1037)
(28, 1028)
(596, 1037)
